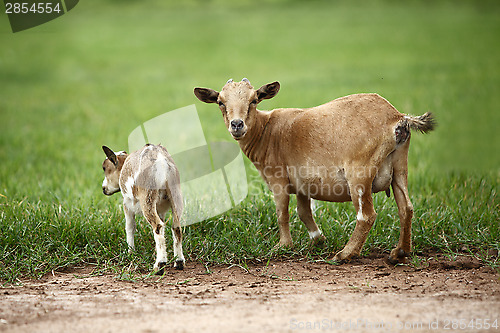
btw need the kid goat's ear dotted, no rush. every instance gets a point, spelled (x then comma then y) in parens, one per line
(110, 154)
(206, 95)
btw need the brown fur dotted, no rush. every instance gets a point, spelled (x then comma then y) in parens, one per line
(343, 150)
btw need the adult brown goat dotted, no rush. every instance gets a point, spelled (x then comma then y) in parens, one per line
(343, 150)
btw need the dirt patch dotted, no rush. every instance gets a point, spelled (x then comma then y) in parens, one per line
(284, 296)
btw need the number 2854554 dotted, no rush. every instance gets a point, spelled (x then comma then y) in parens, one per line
(35, 8)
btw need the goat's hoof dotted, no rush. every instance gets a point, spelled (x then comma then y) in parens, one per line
(283, 246)
(318, 241)
(179, 264)
(398, 256)
(341, 257)
(160, 268)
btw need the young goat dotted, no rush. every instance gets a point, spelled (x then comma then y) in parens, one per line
(343, 150)
(150, 184)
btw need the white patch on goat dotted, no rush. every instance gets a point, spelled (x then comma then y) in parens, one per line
(128, 186)
(161, 249)
(129, 200)
(314, 234)
(177, 248)
(127, 192)
(162, 168)
(133, 205)
(130, 228)
(313, 205)
(109, 188)
(360, 215)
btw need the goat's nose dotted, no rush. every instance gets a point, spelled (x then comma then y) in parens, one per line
(237, 124)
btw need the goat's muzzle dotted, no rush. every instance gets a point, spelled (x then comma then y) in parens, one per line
(237, 128)
(106, 192)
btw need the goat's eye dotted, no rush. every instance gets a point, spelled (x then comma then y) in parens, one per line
(221, 104)
(253, 102)
(104, 169)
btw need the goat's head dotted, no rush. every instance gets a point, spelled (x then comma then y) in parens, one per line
(112, 167)
(238, 103)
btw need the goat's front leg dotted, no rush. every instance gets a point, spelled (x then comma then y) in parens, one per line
(129, 227)
(282, 200)
(305, 213)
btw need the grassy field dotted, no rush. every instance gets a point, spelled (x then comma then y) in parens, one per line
(93, 75)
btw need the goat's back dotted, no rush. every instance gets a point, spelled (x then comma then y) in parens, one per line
(353, 127)
(150, 168)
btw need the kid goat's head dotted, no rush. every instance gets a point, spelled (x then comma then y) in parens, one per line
(112, 167)
(238, 102)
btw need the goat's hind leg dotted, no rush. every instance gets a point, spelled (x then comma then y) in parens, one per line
(405, 210)
(151, 215)
(161, 248)
(177, 238)
(363, 202)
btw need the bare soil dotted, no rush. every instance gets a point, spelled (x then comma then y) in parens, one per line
(283, 296)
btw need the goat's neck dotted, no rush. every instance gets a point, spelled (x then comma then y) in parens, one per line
(257, 142)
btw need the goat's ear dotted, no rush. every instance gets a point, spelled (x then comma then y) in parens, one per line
(110, 154)
(206, 95)
(268, 91)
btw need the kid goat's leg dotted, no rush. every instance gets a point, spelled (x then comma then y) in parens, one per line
(177, 237)
(361, 196)
(129, 227)
(151, 215)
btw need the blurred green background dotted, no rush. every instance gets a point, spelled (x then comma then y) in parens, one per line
(91, 76)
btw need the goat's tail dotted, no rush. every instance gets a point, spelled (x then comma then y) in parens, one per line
(424, 123)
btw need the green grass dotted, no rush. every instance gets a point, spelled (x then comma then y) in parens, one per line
(91, 76)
